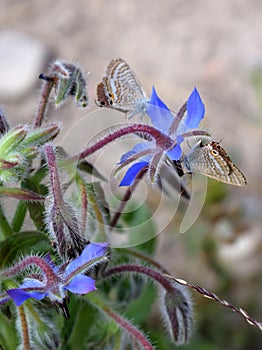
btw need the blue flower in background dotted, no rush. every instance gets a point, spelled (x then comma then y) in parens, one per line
(146, 154)
(54, 281)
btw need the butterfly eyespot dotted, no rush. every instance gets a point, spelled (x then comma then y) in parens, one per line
(214, 152)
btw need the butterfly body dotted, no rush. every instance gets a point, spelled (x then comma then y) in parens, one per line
(121, 90)
(213, 161)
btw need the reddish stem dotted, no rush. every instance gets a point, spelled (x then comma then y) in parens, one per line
(130, 329)
(46, 89)
(162, 140)
(29, 261)
(54, 176)
(155, 275)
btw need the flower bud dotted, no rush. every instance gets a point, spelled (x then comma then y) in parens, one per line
(176, 307)
(69, 80)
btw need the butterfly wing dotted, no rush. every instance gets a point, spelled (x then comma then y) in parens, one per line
(212, 160)
(124, 88)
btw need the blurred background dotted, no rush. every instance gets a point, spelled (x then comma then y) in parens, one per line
(175, 45)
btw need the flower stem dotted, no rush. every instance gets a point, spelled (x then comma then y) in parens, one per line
(29, 261)
(161, 139)
(25, 331)
(137, 335)
(46, 89)
(155, 275)
(54, 176)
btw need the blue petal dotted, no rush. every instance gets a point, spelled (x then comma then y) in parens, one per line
(91, 251)
(175, 153)
(195, 110)
(32, 283)
(81, 284)
(19, 295)
(156, 101)
(159, 113)
(131, 173)
(142, 146)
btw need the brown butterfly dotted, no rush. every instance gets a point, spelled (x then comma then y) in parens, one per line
(213, 161)
(121, 90)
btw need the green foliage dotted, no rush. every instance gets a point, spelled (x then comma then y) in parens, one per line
(60, 206)
(22, 243)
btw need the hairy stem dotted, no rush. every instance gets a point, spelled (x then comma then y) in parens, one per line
(29, 261)
(155, 275)
(54, 176)
(161, 139)
(137, 335)
(24, 328)
(45, 93)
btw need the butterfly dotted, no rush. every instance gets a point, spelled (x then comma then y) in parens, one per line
(213, 161)
(121, 90)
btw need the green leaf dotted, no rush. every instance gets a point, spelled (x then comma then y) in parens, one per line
(22, 243)
(36, 209)
(8, 335)
(41, 135)
(5, 228)
(19, 216)
(11, 140)
(63, 90)
(20, 194)
(139, 309)
(79, 335)
(39, 174)
(141, 228)
(88, 168)
(70, 326)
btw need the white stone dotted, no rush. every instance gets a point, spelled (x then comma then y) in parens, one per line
(22, 59)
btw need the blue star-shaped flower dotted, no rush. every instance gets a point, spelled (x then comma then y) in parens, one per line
(146, 154)
(54, 281)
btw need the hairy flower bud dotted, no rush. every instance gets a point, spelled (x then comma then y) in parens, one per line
(61, 218)
(176, 308)
(69, 80)
(64, 229)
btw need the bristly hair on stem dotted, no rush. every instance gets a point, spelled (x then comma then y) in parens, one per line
(175, 302)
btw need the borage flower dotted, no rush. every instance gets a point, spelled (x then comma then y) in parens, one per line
(148, 154)
(54, 281)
